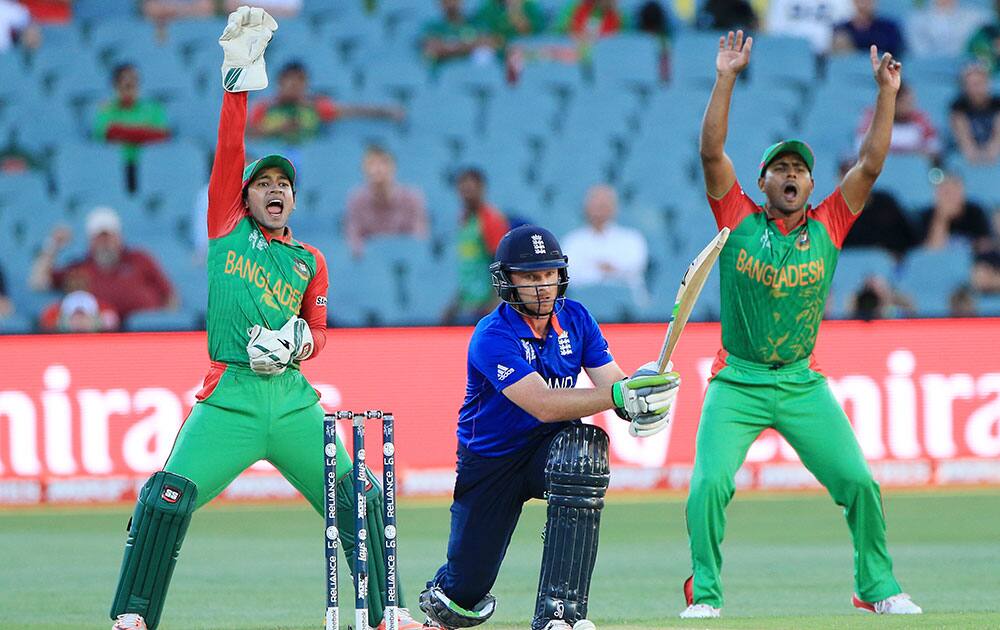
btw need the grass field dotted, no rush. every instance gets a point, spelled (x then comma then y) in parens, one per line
(788, 564)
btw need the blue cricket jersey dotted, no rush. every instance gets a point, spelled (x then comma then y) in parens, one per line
(502, 351)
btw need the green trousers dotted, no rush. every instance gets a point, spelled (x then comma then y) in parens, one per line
(742, 400)
(248, 418)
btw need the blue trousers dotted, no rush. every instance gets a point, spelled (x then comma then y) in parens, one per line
(489, 495)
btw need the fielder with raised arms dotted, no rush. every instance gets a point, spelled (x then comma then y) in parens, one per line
(266, 314)
(520, 437)
(776, 270)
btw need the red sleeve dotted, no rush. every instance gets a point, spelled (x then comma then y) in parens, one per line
(225, 188)
(326, 109)
(136, 134)
(494, 226)
(732, 208)
(313, 308)
(836, 216)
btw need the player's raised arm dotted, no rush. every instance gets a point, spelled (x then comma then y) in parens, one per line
(733, 57)
(243, 42)
(858, 181)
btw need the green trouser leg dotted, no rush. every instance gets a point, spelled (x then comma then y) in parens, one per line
(248, 418)
(816, 426)
(741, 402)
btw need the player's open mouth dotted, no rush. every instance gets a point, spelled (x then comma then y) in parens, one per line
(791, 192)
(275, 207)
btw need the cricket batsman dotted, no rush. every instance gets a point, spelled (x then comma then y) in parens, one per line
(266, 314)
(776, 270)
(520, 437)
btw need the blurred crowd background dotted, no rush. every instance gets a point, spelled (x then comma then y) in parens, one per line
(422, 130)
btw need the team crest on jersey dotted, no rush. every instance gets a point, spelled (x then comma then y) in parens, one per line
(529, 351)
(301, 269)
(503, 372)
(802, 242)
(257, 240)
(564, 345)
(538, 243)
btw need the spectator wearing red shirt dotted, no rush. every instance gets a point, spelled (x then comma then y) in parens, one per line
(381, 205)
(592, 19)
(295, 115)
(126, 279)
(912, 129)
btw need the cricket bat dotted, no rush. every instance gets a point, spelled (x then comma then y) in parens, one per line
(691, 285)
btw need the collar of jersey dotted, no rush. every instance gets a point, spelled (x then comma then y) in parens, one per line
(521, 326)
(284, 238)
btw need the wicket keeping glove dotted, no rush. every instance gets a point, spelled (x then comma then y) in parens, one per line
(645, 398)
(243, 43)
(272, 351)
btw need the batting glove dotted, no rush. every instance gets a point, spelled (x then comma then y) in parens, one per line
(645, 399)
(272, 351)
(243, 43)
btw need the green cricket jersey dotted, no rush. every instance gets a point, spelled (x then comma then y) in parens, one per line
(253, 278)
(775, 284)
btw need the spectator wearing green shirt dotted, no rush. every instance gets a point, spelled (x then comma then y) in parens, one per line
(509, 19)
(480, 229)
(454, 36)
(984, 44)
(129, 120)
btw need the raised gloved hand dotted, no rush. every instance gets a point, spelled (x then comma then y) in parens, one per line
(243, 43)
(645, 398)
(272, 351)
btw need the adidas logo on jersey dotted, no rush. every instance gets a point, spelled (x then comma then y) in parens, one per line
(503, 372)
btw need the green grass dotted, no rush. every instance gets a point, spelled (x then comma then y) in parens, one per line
(788, 564)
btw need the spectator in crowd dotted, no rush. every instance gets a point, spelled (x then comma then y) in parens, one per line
(975, 117)
(984, 44)
(16, 26)
(986, 267)
(942, 27)
(953, 215)
(866, 29)
(654, 19)
(49, 11)
(78, 312)
(882, 224)
(16, 159)
(454, 36)
(6, 305)
(126, 279)
(962, 302)
(811, 19)
(604, 252)
(727, 15)
(509, 19)
(383, 206)
(592, 19)
(481, 226)
(129, 120)
(876, 299)
(295, 115)
(277, 8)
(912, 129)
(164, 11)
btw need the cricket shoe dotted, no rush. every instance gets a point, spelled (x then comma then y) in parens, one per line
(405, 619)
(900, 604)
(129, 621)
(700, 611)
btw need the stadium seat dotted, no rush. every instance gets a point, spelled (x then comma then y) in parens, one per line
(443, 112)
(906, 177)
(16, 324)
(930, 277)
(520, 112)
(778, 60)
(854, 266)
(162, 166)
(849, 70)
(988, 305)
(628, 59)
(608, 303)
(99, 10)
(469, 76)
(692, 59)
(164, 320)
(982, 184)
(82, 168)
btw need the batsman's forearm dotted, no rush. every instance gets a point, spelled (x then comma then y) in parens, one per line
(715, 124)
(559, 405)
(875, 144)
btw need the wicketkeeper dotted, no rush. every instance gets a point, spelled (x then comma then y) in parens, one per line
(520, 437)
(266, 314)
(776, 270)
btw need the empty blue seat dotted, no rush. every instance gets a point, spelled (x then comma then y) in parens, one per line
(906, 176)
(849, 70)
(608, 303)
(16, 324)
(930, 277)
(164, 320)
(778, 59)
(83, 168)
(162, 166)
(469, 76)
(691, 57)
(626, 59)
(854, 266)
